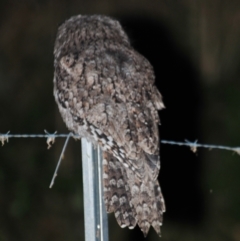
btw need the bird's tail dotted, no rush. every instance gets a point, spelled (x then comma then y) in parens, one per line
(132, 200)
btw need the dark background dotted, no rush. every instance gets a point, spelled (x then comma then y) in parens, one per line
(194, 48)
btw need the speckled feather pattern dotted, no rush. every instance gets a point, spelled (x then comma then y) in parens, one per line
(105, 93)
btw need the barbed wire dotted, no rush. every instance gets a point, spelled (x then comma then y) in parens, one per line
(4, 138)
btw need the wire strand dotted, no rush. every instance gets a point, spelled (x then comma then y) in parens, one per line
(60, 160)
(4, 138)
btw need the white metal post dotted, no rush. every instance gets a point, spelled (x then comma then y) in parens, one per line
(95, 216)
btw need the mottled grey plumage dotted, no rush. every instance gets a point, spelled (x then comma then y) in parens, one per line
(105, 92)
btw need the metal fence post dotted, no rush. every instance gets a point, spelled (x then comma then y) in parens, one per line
(95, 216)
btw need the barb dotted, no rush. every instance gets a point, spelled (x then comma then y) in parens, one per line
(51, 139)
(4, 137)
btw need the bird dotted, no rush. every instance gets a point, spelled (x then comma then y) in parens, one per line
(106, 93)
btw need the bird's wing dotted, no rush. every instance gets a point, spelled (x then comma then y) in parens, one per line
(115, 96)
